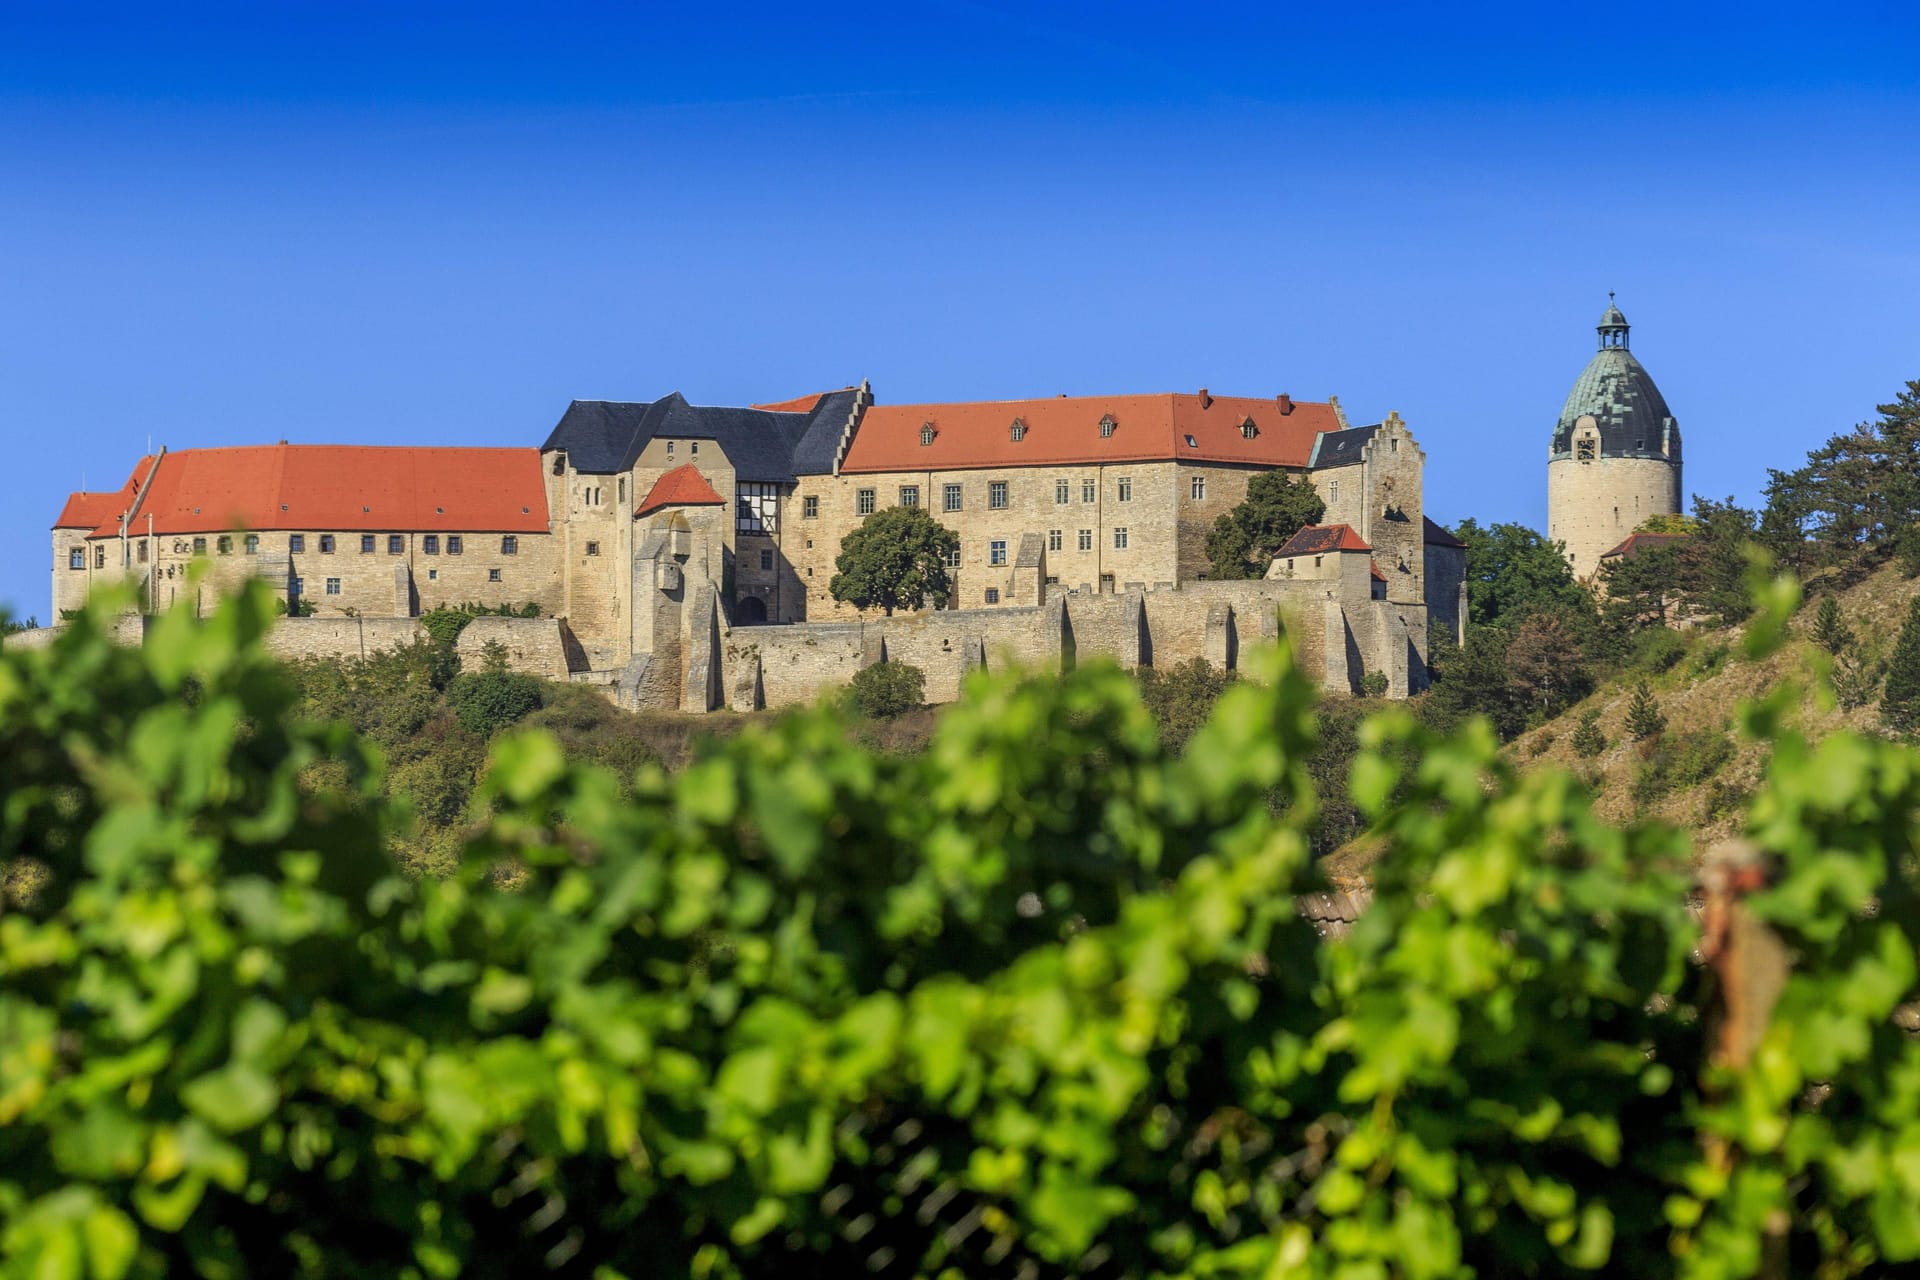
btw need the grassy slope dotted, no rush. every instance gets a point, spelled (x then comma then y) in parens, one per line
(1699, 693)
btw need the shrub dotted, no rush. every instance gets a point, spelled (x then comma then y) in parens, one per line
(1542, 743)
(1679, 761)
(1644, 718)
(1180, 698)
(1039, 996)
(1657, 650)
(1588, 741)
(887, 689)
(1373, 684)
(488, 701)
(1830, 630)
(1900, 696)
(1710, 659)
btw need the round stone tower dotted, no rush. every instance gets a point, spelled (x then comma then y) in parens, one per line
(1616, 453)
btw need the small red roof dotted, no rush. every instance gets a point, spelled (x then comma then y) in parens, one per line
(1067, 430)
(1637, 543)
(799, 404)
(345, 487)
(1373, 567)
(683, 486)
(1318, 539)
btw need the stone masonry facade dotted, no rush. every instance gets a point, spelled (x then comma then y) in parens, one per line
(680, 556)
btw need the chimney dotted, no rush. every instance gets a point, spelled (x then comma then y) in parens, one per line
(1206, 401)
(1286, 404)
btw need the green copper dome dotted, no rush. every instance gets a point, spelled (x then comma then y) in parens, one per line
(1616, 391)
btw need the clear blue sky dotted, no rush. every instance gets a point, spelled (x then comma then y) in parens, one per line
(437, 224)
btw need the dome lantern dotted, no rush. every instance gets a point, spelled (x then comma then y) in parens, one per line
(1613, 327)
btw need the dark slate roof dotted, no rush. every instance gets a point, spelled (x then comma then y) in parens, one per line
(1340, 448)
(605, 436)
(1437, 535)
(1616, 391)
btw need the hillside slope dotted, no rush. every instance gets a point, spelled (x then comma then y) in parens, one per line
(1704, 769)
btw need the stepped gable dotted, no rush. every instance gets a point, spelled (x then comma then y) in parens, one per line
(1318, 539)
(683, 486)
(1436, 535)
(344, 487)
(1065, 430)
(773, 444)
(1618, 393)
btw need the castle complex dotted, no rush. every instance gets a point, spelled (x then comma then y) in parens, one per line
(1615, 458)
(664, 543)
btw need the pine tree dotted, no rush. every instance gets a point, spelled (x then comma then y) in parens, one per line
(1587, 738)
(1830, 631)
(1900, 702)
(1643, 714)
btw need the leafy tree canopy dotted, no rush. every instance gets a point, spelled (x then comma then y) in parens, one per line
(1513, 571)
(1243, 541)
(895, 559)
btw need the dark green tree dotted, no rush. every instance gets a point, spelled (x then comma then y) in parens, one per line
(887, 689)
(1644, 717)
(1588, 740)
(1900, 700)
(1640, 590)
(895, 559)
(1181, 697)
(1513, 571)
(1243, 541)
(1830, 630)
(1713, 580)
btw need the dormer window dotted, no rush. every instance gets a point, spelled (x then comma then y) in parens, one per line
(1018, 431)
(1192, 443)
(1107, 425)
(926, 434)
(1247, 430)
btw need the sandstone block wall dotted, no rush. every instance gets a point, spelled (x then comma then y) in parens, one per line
(1592, 506)
(536, 646)
(292, 639)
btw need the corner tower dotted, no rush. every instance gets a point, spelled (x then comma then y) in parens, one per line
(1615, 458)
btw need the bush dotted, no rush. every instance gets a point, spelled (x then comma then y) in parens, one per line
(1373, 684)
(1180, 698)
(1678, 761)
(1657, 650)
(1036, 997)
(1644, 718)
(887, 689)
(488, 701)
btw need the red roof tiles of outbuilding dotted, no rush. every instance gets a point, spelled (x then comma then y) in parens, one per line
(799, 404)
(1636, 543)
(346, 487)
(1067, 431)
(1318, 539)
(683, 486)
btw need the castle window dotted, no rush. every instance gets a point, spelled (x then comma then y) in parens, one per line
(366, 544)
(997, 494)
(199, 546)
(1086, 491)
(623, 489)
(1107, 425)
(326, 544)
(396, 544)
(493, 575)
(1055, 540)
(224, 545)
(1199, 488)
(509, 546)
(433, 575)
(1060, 492)
(333, 586)
(1086, 539)
(1126, 488)
(756, 508)
(1018, 431)
(810, 507)
(952, 557)
(766, 561)
(1247, 430)
(77, 558)
(950, 497)
(1106, 584)
(296, 543)
(253, 544)
(863, 502)
(1120, 538)
(993, 595)
(453, 544)
(997, 551)
(1640, 444)
(593, 548)
(909, 495)
(142, 554)
(926, 434)
(669, 448)
(430, 544)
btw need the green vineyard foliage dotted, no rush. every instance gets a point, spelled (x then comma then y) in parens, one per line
(1035, 1002)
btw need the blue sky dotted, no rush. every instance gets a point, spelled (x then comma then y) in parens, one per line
(439, 223)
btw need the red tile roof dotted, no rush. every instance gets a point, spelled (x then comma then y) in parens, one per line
(1637, 543)
(1066, 431)
(683, 486)
(96, 511)
(1373, 568)
(1317, 539)
(346, 487)
(799, 404)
